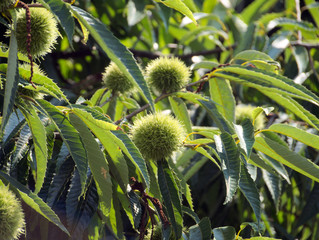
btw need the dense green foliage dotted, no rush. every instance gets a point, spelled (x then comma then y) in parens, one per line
(246, 164)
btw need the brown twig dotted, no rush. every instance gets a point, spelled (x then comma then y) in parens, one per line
(38, 4)
(28, 20)
(145, 197)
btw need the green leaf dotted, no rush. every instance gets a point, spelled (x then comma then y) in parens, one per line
(63, 15)
(313, 7)
(33, 201)
(287, 157)
(4, 53)
(180, 110)
(301, 56)
(204, 64)
(295, 107)
(248, 188)
(12, 77)
(115, 50)
(258, 59)
(259, 162)
(220, 121)
(258, 110)
(191, 213)
(135, 12)
(192, 97)
(296, 133)
(184, 187)
(101, 130)
(265, 80)
(170, 194)
(202, 230)
(230, 163)
(97, 163)
(201, 31)
(202, 151)
(70, 137)
(195, 168)
(221, 93)
(129, 148)
(180, 6)
(245, 133)
(293, 24)
(114, 219)
(39, 142)
(256, 9)
(136, 208)
(43, 81)
(274, 185)
(224, 233)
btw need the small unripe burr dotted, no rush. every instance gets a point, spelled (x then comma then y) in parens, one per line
(167, 74)
(157, 136)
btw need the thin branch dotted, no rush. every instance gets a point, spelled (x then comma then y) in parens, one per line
(40, 5)
(306, 45)
(164, 95)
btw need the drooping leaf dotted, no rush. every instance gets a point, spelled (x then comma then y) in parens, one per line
(221, 122)
(295, 107)
(202, 151)
(313, 8)
(224, 233)
(195, 168)
(245, 133)
(255, 9)
(114, 220)
(72, 201)
(311, 208)
(191, 213)
(70, 136)
(185, 189)
(12, 77)
(202, 230)
(180, 110)
(87, 208)
(97, 163)
(274, 185)
(129, 148)
(39, 143)
(180, 6)
(117, 52)
(136, 208)
(248, 188)
(135, 12)
(15, 124)
(192, 97)
(296, 133)
(221, 93)
(33, 201)
(292, 24)
(63, 15)
(287, 157)
(21, 146)
(230, 163)
(60, 181)
(170, 194)
(265, 80)
(45, 82)
(101, 130)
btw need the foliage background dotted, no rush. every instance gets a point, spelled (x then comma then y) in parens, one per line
(287, 31)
